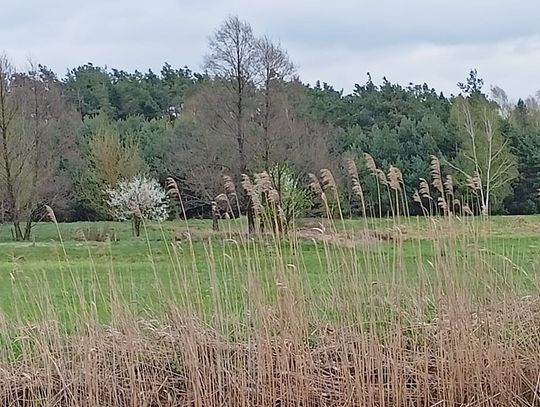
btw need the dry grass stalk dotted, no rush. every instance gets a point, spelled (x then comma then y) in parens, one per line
(424, 190)
(252, 193)
(328, 181)
(416, 197)
(172, 187)
(474, 182)
(464, 358)
(263, 182)
(436, 176)
(449, 185)
(395, 178)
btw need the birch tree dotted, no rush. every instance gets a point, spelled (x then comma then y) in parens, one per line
(485, 159)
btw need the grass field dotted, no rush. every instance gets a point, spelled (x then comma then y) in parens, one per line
(62, 266)
(409, 311)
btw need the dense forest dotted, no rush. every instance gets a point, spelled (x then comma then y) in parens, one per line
(65, 139)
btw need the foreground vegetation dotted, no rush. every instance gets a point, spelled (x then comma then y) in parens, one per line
(377, 312)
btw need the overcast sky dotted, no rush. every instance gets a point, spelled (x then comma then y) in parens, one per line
(335, 41)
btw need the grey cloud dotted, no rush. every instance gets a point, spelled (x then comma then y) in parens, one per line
(336, 41)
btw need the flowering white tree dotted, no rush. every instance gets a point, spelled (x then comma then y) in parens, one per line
(138, 199)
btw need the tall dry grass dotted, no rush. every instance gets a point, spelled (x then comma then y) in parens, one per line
(366, 332)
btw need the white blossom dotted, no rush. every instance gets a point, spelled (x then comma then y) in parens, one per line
(139, 197)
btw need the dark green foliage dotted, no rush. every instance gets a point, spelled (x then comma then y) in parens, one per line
(523, 129)
(397, 125)
(400, 126)
(120, 94)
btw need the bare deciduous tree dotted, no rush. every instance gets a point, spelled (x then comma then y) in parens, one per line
(36, 124)
(233, 62)
(8, 112)
(49, 125)
(248, 117)
(274, 67)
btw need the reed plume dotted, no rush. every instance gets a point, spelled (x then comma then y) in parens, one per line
(352, 170)
(263, 182)
(474, 182)
(328, 181)
(228, 184)
(416, 197)
(424, 190)
(436, 176)
(50, 214)
(449, 185)
(252, 193)
(172, 187)
(395, 178)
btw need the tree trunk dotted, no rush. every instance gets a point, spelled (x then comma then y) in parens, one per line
(28, 228)
(250, 216)
(36, 168)
(12, 205)
(17, 232)
(215, 216)
(136, 222)
(266, 123)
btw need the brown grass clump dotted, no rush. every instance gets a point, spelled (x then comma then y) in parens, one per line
(94, 234)
(465, 358)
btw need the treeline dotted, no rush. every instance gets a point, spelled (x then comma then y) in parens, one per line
(64, 140)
